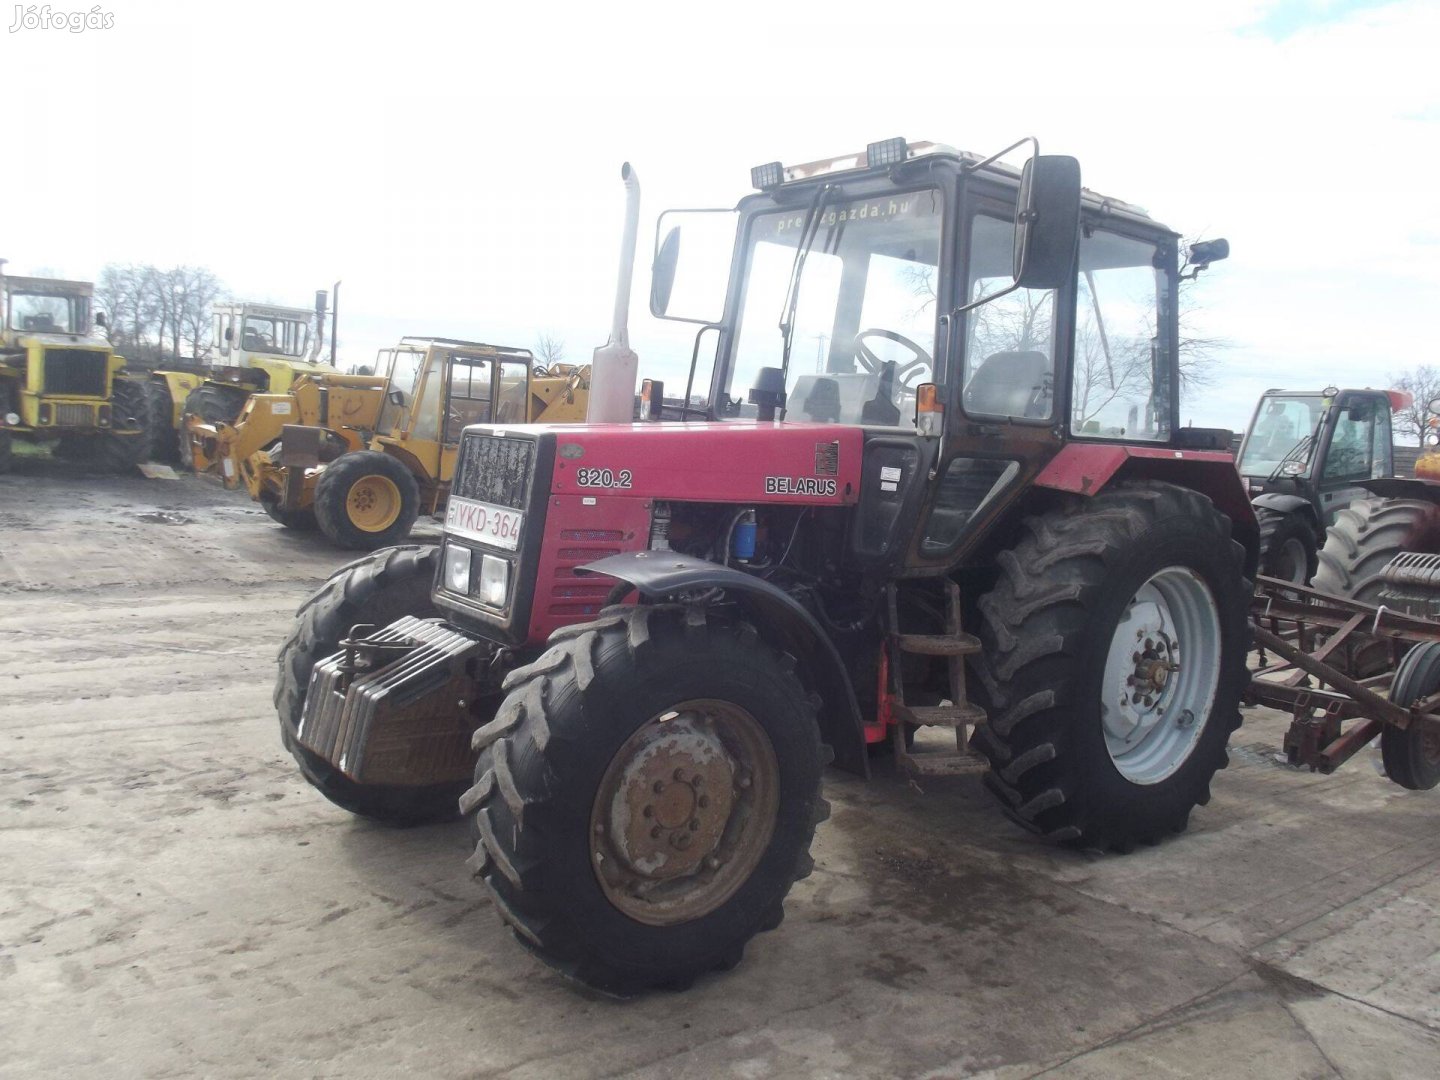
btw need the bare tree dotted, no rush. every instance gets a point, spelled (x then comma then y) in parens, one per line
(1423, 385)
(549, 349)
(158, 315)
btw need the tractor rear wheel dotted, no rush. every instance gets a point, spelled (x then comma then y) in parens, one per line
(366, 500)
(213, 405)
(5, 452)
(1366, 535)
(164, 443)
(1288, 550)
(377, 589)
(1412, 756)
(1114, 659)
(646, 796)
(127, 443)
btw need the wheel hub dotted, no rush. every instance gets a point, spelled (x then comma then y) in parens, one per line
(674, 800)
(684, 812)
(1161, 674)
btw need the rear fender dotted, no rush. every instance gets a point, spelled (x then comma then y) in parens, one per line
(1282, 503)
(1090, 468)
(780, 620)
(1399, 487)
(179, 384)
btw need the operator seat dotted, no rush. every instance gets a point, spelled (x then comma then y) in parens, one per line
(1010, 384)
(818, 398)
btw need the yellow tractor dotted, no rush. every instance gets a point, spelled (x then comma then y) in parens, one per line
(259, 348)
(361, 457)
(60, 382)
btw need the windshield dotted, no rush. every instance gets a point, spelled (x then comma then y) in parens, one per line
(268, 334)
(863, 331)
(402, 367)
(47, 313)
(1279, 426)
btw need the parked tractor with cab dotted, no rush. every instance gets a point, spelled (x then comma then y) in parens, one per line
(361, 457)
(639, 643)
(62, 383)
(258, 348)
(1305, 457)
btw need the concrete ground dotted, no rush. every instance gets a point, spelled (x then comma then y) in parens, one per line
(175, 901)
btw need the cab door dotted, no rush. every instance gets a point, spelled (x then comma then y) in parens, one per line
(1357, 447)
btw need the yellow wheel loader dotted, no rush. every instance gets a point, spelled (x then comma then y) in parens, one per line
(59, 382)
(361, 457)
(259, 348)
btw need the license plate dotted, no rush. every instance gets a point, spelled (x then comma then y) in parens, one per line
(489, 524)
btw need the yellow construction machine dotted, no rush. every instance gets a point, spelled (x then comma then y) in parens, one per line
(361, 457)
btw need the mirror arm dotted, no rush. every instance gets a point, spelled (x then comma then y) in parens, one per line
(695, 361)
(986, 299)
(1034, 152)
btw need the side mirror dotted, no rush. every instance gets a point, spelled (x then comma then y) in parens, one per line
(1047, 223)
(396, 397)
(662, 274)
(1208, 251)
(1434, 405)
(100, 320)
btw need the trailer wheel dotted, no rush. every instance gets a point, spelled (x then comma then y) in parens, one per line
(127, 443)
(365, 500)
(1412, 756)
(1287, 546)
(1366, 535)
(213, 405)
(1114, 660)
(378, 589)
(646, 796)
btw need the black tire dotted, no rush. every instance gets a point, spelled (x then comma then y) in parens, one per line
(1288, 547)
(213, 405)
(1366, 535)
(1047, 628)
(164, 443)
(544, 758)
(1412, 756)
(342, 477)
(6, 454)
(301, 520)
(127, 444)
(377, 589)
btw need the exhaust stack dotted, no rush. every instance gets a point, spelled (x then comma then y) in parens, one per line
(322, 301)
(614, 366)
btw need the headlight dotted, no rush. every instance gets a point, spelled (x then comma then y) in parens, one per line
(457, 568)
(494, 581)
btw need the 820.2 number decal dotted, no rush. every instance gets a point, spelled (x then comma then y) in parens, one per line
(603, 478)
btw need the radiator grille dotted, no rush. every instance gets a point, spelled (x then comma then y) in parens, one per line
(494, 470)
(74, 416)
(75, 371)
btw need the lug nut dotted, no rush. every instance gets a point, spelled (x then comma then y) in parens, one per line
(703, 801)
(655, 833)
(694, 824)
(682, 841)
(680, 775)
(649, 811)
(659, 787)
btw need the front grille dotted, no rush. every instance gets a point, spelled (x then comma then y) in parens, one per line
(75, 371)
(74, 416)
(494, 470)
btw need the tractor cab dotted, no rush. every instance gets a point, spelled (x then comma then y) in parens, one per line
(1305, 457)
(282, 342)
(946, 304)
(45, 306)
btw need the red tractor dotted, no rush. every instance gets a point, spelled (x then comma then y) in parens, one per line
(938, 478)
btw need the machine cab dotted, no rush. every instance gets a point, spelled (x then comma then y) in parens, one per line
(974, 318)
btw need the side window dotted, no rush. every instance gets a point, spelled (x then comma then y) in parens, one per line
(1351, 449)
(469, 396)
(427, 405)
(1009, 342)
(1119, 386)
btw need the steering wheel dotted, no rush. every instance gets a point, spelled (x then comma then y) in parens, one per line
(873, 364)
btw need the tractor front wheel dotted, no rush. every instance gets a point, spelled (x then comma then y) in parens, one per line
(1412, 756)
(646, 796)
(1288, 550)
(366, 500)
(378, 589)
(1115, 646)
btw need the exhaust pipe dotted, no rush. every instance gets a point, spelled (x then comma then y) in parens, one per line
(614, 366)
(321, 303)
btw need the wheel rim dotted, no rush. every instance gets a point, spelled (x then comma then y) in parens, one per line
(684, 813)
(1161, 675)
(1294, 561)
(373, 503)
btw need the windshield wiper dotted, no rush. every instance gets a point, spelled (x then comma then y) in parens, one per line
(1300, 450)
(797, 268)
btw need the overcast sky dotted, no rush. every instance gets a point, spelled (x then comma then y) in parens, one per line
(458, 165)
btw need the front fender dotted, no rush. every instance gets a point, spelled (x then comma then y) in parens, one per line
(1282, 503)
(781, 621)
